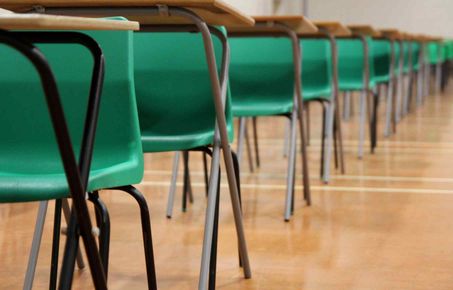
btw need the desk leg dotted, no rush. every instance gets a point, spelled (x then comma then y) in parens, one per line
(220, 139)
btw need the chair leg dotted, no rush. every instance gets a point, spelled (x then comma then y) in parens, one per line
(241, 136)
(291, 167)
(210, 218)
(103, 223)
(205, 171)
(303, 144)
(323, 138)
(307, 122)
(286, 139)
(215, 235)
(339, 135)
(146, 231)
(329, 135)
(347, 106)
(362, 122)
(374, 121)
(36, 243)
(249, 147)
(67, 216)
(238, 180)
(185, 189)
(172, 192)
(388, 113)
(255, 138)
(335, 144)
(55, 245)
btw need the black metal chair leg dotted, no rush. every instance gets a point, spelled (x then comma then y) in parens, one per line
(238, 180)
(323, 138)
(255, 137)
(185, 156)
(335, 142)
(205, 168)
(69, 258)
(215, 234)
(146, 231)
(103, 223)
(55, 245)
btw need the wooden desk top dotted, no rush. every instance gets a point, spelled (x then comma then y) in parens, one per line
(391, 33)
(366, 30)
(214, 12)
(333, 27)
(15, 21)
(298, 24)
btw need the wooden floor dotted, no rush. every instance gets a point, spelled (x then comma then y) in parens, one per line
(386, 224)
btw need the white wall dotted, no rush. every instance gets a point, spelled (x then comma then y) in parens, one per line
(434, 17)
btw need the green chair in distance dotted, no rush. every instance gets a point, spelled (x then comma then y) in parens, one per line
(262, 84)
(177, 113)
(357, 74)
(31, 168)
(317, 85)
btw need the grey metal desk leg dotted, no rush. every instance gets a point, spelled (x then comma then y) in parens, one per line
(297, 56)
(291, 165)
(34, 252)
(219, 96)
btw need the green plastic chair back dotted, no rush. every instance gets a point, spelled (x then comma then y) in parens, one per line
(316, 69)
(30, 164)
(406, 52)
(261, 76)
(351, 64)
(433, 52)
(174, 96)
(416, 47)
(449, 49)
(382, 50)
(397, 46)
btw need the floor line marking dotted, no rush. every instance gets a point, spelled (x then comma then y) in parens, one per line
(314, 187)
(337, 177)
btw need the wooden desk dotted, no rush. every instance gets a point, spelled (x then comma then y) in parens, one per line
(391, 33)
(266, 24)
(15, 21)
(334, 28)
(214, 12)
(365, 30)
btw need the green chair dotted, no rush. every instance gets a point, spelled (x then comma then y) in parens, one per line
(435, 56)
(262, 84)
(176, 110)
(317, 85)
(382, 51)
(31, 168)
(355, 73)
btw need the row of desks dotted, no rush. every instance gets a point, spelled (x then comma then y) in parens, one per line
(37, 14)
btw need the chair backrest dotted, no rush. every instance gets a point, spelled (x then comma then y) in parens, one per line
(262, 69)
(406, 52)
(27, 134)
(433, 52)
(316, 68)
(173, 87)
(416, 47)
(382, 59)
(351, 64)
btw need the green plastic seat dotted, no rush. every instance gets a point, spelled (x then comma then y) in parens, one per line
(30, 165)
(174, 96)
(351, 64)
(316, 69)
(261, 76)
(382, 50)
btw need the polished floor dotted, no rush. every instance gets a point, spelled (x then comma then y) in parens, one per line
(386, 224)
